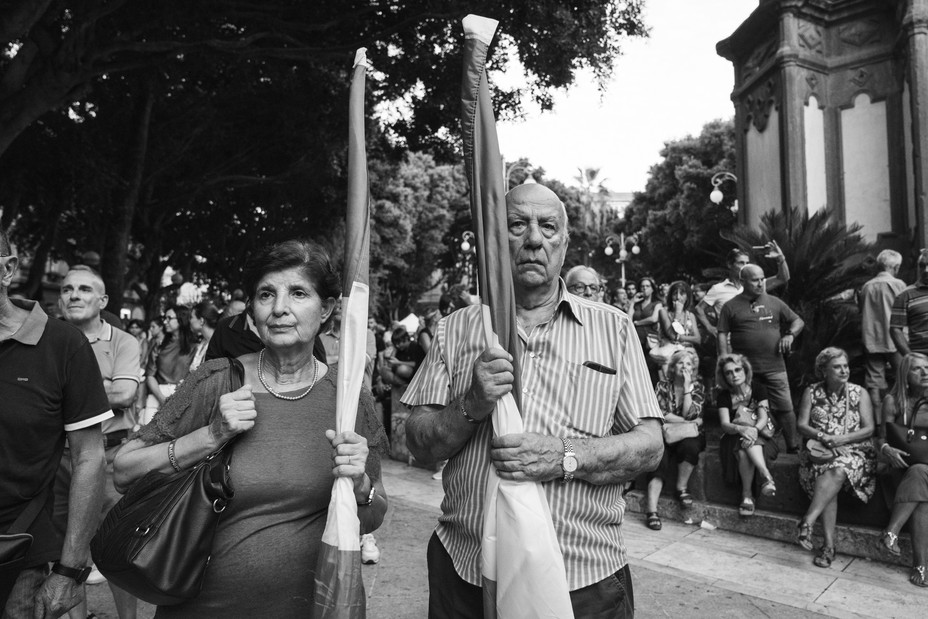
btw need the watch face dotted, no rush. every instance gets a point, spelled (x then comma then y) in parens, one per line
(570, 464)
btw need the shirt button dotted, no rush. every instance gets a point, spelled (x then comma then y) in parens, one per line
(524, 390)
(532, 355)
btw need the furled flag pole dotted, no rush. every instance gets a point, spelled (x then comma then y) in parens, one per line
(339, 587)
(522, 566)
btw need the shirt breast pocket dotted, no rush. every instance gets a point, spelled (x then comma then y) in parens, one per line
(592, 400)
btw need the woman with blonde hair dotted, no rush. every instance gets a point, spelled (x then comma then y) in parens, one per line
(909, 480)
(744, 415)
(680, 397)
(837, 415)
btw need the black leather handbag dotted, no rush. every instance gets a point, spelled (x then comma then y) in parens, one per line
(157, 540)
(908, 438)
(15, 545)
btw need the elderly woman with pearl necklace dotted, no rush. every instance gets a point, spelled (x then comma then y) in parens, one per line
(286, 455)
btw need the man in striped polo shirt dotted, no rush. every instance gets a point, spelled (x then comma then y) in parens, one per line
(910, 310)
(591, 421)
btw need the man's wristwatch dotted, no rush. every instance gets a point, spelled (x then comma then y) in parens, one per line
(78, 574)
(569, 463)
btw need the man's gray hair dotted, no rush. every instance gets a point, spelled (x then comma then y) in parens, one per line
(577, 269)
(889, 259)
(83, 268)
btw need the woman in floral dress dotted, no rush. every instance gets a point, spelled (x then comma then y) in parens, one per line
(838, 415)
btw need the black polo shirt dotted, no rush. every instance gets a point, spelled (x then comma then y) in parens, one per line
(50, 384)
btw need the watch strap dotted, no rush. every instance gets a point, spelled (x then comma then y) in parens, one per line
(568, 453)
(78, 574)
(370, 497)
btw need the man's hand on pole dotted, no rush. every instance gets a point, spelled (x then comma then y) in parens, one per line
(492, 379)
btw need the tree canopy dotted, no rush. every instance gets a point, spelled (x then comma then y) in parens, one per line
(678, 224)
(188, 133)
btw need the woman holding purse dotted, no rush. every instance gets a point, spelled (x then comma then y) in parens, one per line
(836, 415)
(286, 455)
(909, 480)
(680, 398)
(743, 413)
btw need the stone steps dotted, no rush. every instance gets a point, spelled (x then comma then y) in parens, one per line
(859, 524)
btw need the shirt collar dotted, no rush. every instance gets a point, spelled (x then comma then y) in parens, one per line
(34, 326)
(105, 334)
(569, 302)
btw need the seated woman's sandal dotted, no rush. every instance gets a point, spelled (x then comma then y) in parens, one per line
(890, 542)
(919, 576)
(654, 521)
(747, 507)
(824, 557)
(805, 535)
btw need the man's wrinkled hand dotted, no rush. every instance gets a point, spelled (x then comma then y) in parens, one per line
(527, 457)
(58, 595)
(492, 379)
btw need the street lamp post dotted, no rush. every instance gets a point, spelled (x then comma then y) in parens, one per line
(515, 167)
(716, 196)
(622, 241)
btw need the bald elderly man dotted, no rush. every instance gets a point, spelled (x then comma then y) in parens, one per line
(762, 328)
(584, 282)
(590, 416)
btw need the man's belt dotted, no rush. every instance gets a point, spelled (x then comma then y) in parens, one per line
(114, 439)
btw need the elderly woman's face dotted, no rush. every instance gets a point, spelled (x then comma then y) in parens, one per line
(288, 311)
(734, 374)
(918, 373)
(837, 370)
(683, 366)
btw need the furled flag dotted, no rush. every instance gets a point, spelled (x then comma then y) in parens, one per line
(522, 566)
(339, 588)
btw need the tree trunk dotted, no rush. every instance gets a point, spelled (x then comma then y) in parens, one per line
(116, 247)
(32, 288)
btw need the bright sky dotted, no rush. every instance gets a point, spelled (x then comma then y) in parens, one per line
(664, 88)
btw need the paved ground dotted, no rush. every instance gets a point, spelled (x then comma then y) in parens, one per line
(681, 571)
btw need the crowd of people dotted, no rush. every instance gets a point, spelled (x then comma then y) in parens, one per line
(739, 335)
(613, 388)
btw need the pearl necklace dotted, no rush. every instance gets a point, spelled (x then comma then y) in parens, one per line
(278, 395)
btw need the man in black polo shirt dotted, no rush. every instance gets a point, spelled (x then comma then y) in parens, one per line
(50, 387)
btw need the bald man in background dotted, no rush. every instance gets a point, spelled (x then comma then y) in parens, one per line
(762, 328)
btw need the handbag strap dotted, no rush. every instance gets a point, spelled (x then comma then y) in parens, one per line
(910, 424)
(236, 380)
(28, 515)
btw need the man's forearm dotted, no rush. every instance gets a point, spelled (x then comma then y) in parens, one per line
(85, 497)
(617, 459)
(437, 433)
(724, 348)
(783, 270)
(121, 395)
(701, 315)
(898, 338)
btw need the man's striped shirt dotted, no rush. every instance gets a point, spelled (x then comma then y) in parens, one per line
(910, 309)
(560, 397)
